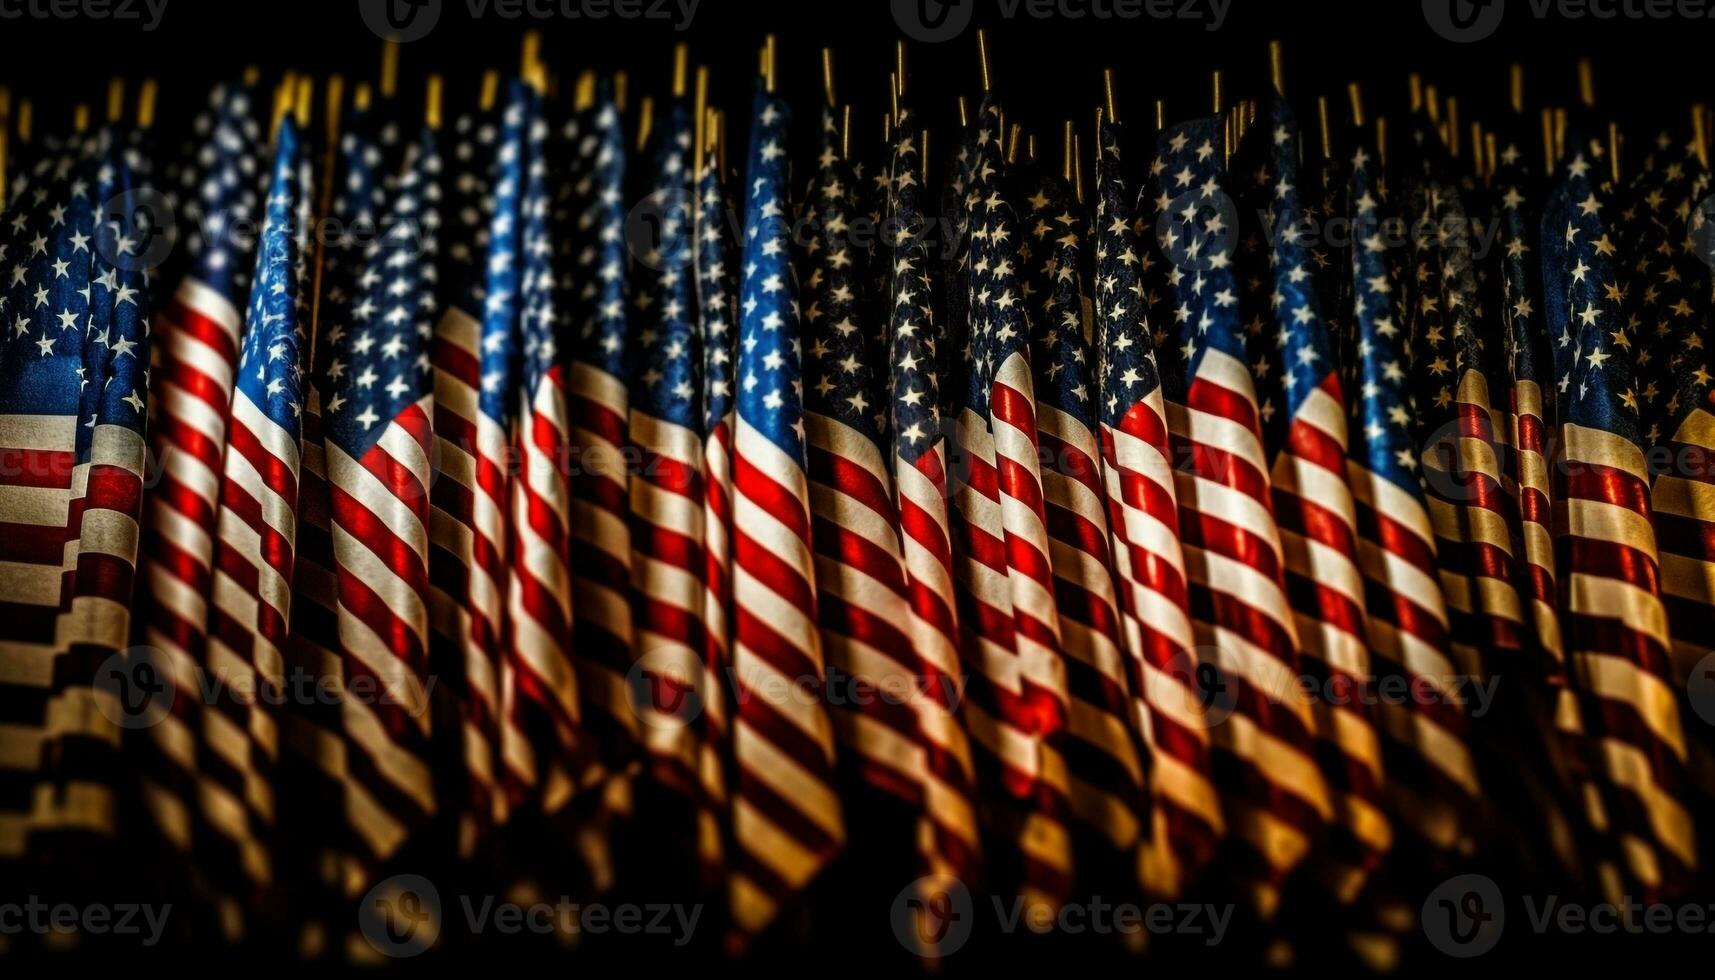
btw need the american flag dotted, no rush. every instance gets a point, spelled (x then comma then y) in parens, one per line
(1552, 727)
(1530, 406)
(787, 821)
(1013, 627)
(860, 582)
(1432, 776)
(1303, 423)
(717, 317)
(540, 740)
(196, 351)
(1673, 305)
(1462, 433)
(1149, 569)
(1619, 653)
(376, 440)
(316, 851)
(1105, 779)
(463, 603)
(74, 359)
(255, 541)
(668, 499)
(951, 844)
(1276, 797)
(598, 376)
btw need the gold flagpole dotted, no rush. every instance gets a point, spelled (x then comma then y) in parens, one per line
(1108, 98)
(898, 77)
(389, 68)
(1322, 122)
(5, 136)
(432, 102)
(1078, 167)
(1548, 155)
(115, 100)
(700, 113)
(1515, 88)
(1381, 140)
(146, 96)
(1700, 132)
(645, 121)
(1587, 83)
(770, 67)
(1614, 147)
(1355, 95)
(828, 77)
(80, 117)
(983, 59)
(490, 90)
(1277, 67)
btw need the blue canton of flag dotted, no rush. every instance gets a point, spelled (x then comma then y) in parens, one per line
(380, 357)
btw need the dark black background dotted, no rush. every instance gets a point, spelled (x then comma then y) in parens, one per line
(1647, 72)
(1046, 70)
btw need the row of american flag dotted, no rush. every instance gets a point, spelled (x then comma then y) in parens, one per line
(515, 492)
